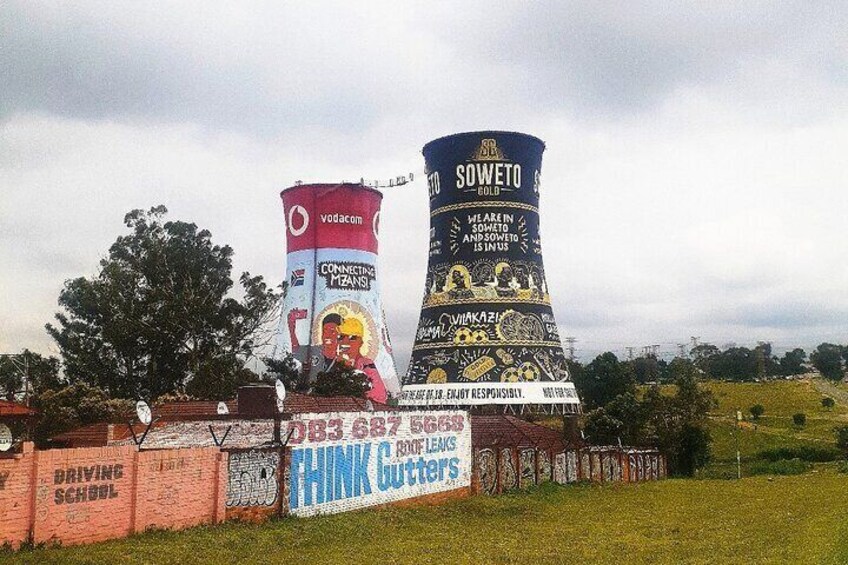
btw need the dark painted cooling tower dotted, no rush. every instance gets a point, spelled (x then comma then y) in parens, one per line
(487, 334)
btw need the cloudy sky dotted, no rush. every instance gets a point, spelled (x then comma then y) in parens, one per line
(694, 183)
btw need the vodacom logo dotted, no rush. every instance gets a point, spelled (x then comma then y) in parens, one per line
(304, 218)
(375, 224)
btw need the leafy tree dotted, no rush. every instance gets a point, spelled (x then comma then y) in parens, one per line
(678, 424)
(602, 428)
(157, 316)
(827, 359)
(41, 373)
(799, 419)
(645, 369)
(288, 370)
(341, 380)
(622, 418)
(736, 364)
(792, 362)
(76, 405)
(602, 380)
(757, 410)
(828, 402)
(220, 378)
(703, 355)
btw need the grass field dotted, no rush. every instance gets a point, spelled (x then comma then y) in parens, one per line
(775, 428)
(798, 519)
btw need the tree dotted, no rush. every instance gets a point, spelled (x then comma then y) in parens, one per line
(827, 359)
(158, 314)
(703, 355)
(288, 370)
(602, 380)
(622, 418)
(40, 373)
(799, 419)
(645, 369)
(341, 380)
(677, 424)
(792, 362)
(828, 402)
(76, 405)
(757, 410)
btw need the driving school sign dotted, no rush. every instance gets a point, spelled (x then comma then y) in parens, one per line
(346, 461)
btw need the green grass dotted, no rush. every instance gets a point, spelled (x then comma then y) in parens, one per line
(787, 519)
(780, 398)
(774, 429)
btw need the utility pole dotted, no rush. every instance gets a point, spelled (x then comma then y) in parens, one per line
(570, 340)
(630, 353)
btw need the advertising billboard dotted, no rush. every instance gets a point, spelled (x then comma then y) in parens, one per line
(332, 311)
(487, 333)
(345, 461)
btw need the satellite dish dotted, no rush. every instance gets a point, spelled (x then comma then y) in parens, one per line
(281, 395)
(142, 410)
(5, 438)
(222, 409)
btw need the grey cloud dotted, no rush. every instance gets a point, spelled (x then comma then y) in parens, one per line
(599, 59)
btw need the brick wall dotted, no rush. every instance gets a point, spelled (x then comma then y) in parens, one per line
(502, 468)
(254, 484)
(84, 495)
(16, 495)
(180, 488)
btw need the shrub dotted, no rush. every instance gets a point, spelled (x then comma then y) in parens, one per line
(812, 454)
(842, 467)
(841, 437)
(828, 402)
(757, 410)
(799, 419)
(782, 467)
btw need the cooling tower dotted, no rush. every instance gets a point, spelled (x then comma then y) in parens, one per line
(487, 334)
(332, 312)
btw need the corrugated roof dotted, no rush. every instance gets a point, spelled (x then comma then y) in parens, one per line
(509, 431)
(15, 410)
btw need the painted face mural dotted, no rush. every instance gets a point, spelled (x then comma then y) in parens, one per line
(332, 305)
(487, 333)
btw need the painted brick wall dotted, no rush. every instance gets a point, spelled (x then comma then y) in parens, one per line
(254, 485)
(76, 496)
(83, 495)
(179, 488)
(15, 496)
(507, 467)
(172, 435)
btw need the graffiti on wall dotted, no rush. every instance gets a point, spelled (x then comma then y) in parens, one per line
(85, 484)
(527, 459)
(253, 478)
(487, 468)
(544, 466)
(509, 477)
(345, 461)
